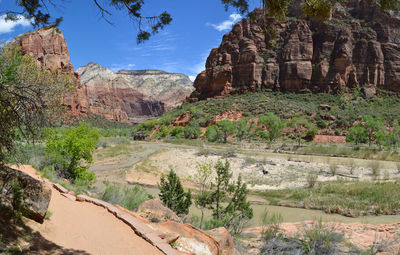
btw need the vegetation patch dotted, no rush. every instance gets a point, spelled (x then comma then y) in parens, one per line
(351, 199)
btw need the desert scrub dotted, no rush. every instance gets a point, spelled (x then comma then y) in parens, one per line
(376, 168)
(129, 197)
(343, 197)
(311, 179)
(333, 169)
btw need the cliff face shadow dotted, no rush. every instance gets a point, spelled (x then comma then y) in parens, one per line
(18, 238)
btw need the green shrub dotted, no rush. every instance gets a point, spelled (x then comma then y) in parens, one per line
(192, 130)
(178, 131)
(126, 196)
(212, 134)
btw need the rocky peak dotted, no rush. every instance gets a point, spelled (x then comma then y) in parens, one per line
(48, 46)
(359, 47)
(122, 96)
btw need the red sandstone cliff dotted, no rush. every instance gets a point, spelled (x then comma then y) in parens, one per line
(358, 48)
(121, 96)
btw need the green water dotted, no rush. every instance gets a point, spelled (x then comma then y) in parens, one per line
(297, 214)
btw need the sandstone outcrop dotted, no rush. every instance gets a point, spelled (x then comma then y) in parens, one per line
(35, 194)
(359, 47)
(122, 96)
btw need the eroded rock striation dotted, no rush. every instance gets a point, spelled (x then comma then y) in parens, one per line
(359, 47)
(126, 94)
(120, 96)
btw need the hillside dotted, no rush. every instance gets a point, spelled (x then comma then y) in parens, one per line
(332, 114)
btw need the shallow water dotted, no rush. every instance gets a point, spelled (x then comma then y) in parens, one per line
(290, 214)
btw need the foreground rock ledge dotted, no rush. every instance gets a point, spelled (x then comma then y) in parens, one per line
(36, 194)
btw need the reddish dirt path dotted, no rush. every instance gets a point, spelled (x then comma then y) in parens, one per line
(88, 228)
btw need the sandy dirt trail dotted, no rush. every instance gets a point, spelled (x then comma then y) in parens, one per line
(88, 228)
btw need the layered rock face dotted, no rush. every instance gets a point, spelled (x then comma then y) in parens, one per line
(358, 47)
(121, 96)
(49, 47)
(126, 94)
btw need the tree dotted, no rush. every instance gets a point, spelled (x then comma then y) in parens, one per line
(212, 134)
(357, 134)
(226, 128)
(372, 125)
(220, 187)
(192, 130)
(203, 199)
(242, 129)
(172, 194)
(238, 211)
(71, 151)
(273, 124)
(29, 97)
(298, 124)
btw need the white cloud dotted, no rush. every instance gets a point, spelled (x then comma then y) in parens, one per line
(227, 24)
(7, 26)
(118, 67)
(192, 77)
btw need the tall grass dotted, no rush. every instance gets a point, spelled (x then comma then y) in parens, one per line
(347, 198)
(129, 197)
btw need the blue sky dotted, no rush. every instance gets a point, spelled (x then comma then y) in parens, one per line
(197, 27)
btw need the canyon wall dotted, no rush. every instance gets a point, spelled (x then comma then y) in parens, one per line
(359, 47)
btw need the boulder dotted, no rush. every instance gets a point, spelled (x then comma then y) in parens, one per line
(154, 210)
(225, 240)
(36, 194)
(191, 239)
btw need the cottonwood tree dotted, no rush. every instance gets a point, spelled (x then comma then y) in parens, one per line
(29, 96)
(226, 128)
(273, 124)
(220, 188)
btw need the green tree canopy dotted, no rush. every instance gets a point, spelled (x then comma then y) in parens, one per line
(29, 96)
(273, 124)
(71, 151)
(226, 128)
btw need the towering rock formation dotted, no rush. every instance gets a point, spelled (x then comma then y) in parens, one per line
(118, 96)
(132, 93)
(358, 47)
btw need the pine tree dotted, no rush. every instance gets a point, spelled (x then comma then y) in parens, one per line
(238, 211)
(172, 194)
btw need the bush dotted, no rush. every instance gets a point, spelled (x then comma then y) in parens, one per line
(333, 169)
(125, 196)
(212, 134)
(70, 151)
(311, 179)
(178, 131)
(192, 131)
